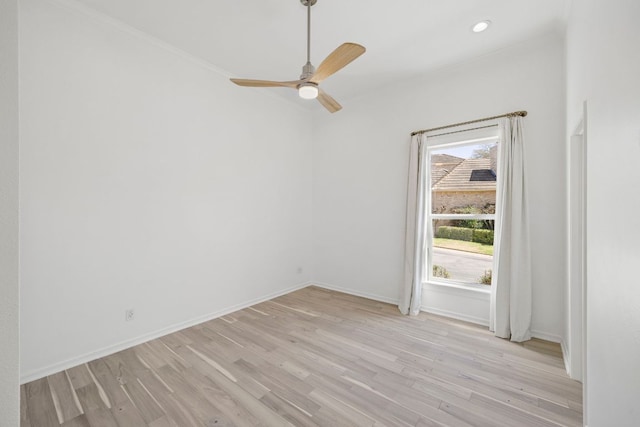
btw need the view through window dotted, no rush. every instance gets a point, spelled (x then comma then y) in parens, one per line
(461, 209)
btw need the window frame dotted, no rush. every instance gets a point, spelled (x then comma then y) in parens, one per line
(465, 138)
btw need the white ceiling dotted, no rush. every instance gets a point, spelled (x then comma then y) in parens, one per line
(266, 39)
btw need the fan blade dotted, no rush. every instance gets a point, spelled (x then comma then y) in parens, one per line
(265, 83)
(328, 102)
(338, 59)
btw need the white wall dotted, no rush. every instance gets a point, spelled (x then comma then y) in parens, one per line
(9, 261)
(360, 169)
(603, 65)
(149, 181)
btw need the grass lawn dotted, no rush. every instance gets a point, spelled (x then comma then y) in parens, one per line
(460, 245)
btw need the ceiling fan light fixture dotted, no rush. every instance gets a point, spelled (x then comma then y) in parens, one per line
(308, 90)
(481, 26)
(307, 85)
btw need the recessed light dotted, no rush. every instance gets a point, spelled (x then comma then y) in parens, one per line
(481, 26)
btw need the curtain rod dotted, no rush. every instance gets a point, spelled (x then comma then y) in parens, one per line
(514, 114)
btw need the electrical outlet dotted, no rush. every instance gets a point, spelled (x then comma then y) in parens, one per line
(128, 315)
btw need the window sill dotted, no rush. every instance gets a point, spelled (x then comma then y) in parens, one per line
(482, 289)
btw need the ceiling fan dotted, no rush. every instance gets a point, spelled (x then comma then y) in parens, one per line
(309, 84)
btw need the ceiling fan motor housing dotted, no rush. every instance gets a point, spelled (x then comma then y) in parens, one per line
(307, 71)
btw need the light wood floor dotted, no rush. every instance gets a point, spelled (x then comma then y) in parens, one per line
(315, 357)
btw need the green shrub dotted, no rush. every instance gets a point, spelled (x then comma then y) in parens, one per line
(439, 271)
(455, 233)
(485, 279)
(487, 224)
(466, 223)
(483, 236)
(466, 234)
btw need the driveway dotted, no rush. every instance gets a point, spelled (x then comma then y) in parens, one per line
(463, 266)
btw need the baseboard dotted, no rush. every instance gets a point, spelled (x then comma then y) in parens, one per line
(455, 315)
(546, 336)
(565, 357)
(356, 293)
(105, 351)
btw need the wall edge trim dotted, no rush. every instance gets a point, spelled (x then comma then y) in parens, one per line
(566, 357)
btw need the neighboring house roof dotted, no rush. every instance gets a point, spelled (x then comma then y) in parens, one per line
(441, 165)
(445, 158)
(468, 175)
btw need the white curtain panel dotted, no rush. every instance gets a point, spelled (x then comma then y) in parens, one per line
(411, 294)
(510, 315)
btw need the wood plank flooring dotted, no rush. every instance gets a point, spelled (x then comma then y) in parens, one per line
(315, 358)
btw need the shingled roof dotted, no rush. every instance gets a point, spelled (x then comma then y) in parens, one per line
(441, 165)
(467, 175)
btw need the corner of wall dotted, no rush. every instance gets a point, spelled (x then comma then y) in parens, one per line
(9, 208)
(368, 295)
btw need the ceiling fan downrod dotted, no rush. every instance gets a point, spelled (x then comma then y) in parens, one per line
(308, 69)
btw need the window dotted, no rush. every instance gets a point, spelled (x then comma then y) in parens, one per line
(461, 210)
